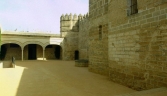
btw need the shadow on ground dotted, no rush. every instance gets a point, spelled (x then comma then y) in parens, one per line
(60, 78)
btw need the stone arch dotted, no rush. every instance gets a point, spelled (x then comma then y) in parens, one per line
(53, 52)
(9, 50)
(51, 44)
(33, 50)
(13, 41)
(47, 43)
(34, 42)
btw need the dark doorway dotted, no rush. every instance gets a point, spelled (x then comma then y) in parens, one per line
(57, 52)
(76, 55)
(32, 52)
(3, 52)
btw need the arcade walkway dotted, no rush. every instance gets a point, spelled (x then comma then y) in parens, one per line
(59, 78)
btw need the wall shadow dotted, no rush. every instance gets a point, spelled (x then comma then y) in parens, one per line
(35, 81)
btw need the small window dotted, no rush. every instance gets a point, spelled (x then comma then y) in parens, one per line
(14, 46)
(100, 32)
(132, 7)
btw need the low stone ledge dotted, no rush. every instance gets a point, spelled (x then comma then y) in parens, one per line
(81, 63)
(1, 64)
(7, 64)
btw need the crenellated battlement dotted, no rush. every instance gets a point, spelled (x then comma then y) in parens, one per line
(84, 17)
(71, 22)
(70, 17)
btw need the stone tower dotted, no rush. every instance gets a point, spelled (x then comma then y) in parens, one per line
(68, 24)
(69, 30)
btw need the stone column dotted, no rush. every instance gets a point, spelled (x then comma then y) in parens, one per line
(22, 50)
(43, 54)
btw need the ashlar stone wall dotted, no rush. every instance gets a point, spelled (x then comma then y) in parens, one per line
(84, 37)
(98, 45)
(137, 44)
(69, 31)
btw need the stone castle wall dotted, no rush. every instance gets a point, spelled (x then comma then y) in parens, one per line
(70, 45)
(69, 28)
(137, 44)
(98, 47)
(132, 49)
(83, 37)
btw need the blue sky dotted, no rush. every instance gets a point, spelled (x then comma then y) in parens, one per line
(38, 15)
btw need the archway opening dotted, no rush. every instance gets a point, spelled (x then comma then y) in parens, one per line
(32, 52)
(76, 55)
(10, 50)
(53, 52)
(57, 52)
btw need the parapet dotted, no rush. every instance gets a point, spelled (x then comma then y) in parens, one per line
(62, 17)
(80, 17)
(66, 17)
(84, 17)
(73, 17)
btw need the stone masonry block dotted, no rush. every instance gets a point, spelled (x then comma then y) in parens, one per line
(148, 15)
(66, 23)
(150, 19)
(154, 24)
(152, 10)
(156, 13)
(162, 17)
(163, 6)
(146, 25)
(163, 11)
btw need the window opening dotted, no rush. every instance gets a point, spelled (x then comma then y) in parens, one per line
(100, 32)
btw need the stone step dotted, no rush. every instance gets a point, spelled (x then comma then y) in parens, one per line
(152, 92)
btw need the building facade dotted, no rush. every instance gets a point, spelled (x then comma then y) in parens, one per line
(127, 41)
(30, 46)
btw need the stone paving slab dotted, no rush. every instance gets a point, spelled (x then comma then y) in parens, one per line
(55, 78)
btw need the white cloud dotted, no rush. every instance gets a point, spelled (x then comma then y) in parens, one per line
(41, 15)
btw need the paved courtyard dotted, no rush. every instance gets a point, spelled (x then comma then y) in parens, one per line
(55, 78)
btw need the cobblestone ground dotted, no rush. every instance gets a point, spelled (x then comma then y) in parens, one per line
(55, 78)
